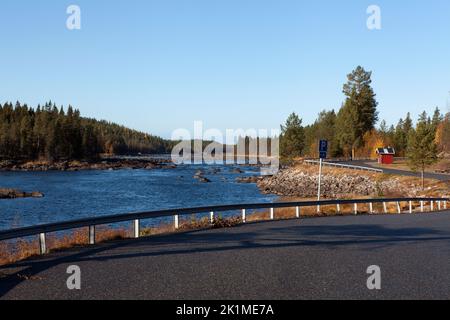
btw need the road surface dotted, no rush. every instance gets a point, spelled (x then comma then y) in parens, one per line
(318, 258)
(386, 169)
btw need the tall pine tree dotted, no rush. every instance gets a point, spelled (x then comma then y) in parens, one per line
(359, 113)
(292, 140)
(422, 149)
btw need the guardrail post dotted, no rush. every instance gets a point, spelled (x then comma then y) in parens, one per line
(432, 205)
(211, 217)
(244, 216)
(371, 208)
(356, 208)
(421, 206)
(177, 222)
(42, 245)
(137, 228)
(410, 207)
(385, 207)
(439, 205)
(297, 212)
(445, 204)
(399, 209)
(91, 235)
(338, 208)
(272, 214)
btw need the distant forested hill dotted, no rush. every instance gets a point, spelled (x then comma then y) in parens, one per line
(51, 133)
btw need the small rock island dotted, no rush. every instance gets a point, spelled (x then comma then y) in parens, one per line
(14, 194)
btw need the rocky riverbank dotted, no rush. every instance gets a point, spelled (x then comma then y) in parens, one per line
(14, 194)
(104, 164)
(300, 182)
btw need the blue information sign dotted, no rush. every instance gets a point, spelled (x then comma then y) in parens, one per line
(323, 149)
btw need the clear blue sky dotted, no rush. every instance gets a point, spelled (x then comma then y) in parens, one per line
(160, 65)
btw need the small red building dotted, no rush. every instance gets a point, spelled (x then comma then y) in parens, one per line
(386, 155)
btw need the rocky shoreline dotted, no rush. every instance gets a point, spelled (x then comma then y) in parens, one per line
(103, 164)
(295, 182)
(14, 194)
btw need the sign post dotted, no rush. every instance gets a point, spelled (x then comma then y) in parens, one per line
(323, 150)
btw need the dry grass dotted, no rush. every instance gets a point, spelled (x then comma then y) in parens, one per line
(190, 224)
(443, 165)
(160, 229)
(13, 251)
(20, 250)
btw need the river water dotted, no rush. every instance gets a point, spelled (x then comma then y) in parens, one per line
(74, 195)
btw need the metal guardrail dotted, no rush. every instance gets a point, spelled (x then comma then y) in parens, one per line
(345, 166)
(91, 223)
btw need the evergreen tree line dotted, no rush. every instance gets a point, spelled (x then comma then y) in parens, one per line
(344, 130)
(400, 136)
(352, 131)
(51, 133)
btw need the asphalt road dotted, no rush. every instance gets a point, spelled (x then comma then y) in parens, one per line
(428, 175)
(318, 258)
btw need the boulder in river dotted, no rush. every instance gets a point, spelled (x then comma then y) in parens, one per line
(14, 194)
(204, 180)
(250, 179)
(199, 173)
